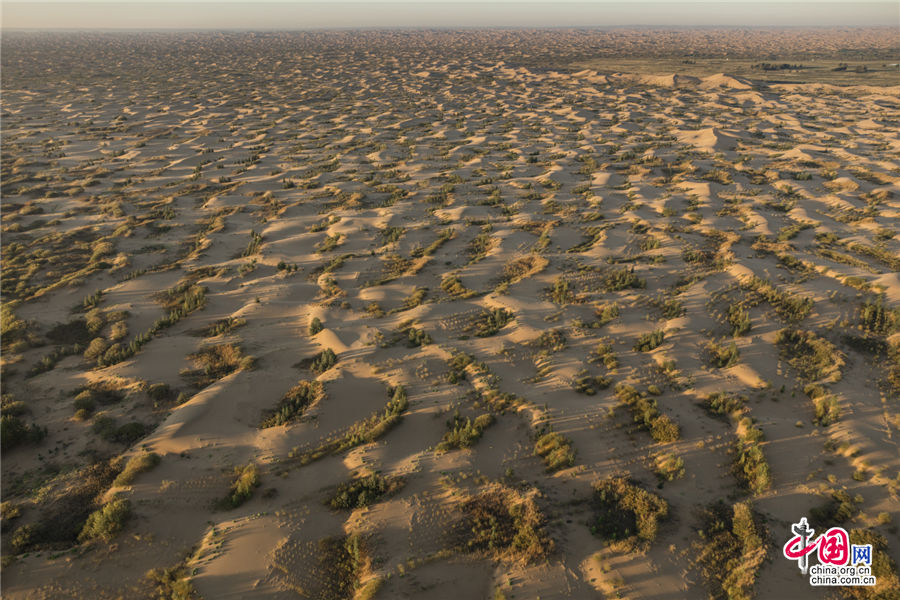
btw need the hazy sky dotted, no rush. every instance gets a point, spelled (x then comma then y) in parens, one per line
(293, 14)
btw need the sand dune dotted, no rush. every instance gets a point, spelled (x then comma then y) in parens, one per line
(443, 314)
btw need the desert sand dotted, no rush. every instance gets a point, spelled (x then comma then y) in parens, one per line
(421, 314)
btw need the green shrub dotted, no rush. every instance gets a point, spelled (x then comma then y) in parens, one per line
(789, 307)
(106, 522)
(171, 583)
(15, 432)
(622, 510)
(620, 279)
(732, 550)
(723, 357)
(105, 427)
(883, 568)
(293, 404)
(646, 414)
(502, 524)
(490, 322)
(814, 357)
(650, 341)
(606, 313)
(724, 403)
(463, 433)
(321, 362)
(246, 479)
(362, 492)
(552, 341)
(588, 384)
(556, 450)
(560, 292)
(136, 465)
(739, 319)
(826, 406)
(876, 318)
(668, 467)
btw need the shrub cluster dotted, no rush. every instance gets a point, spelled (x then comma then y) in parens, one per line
(647, 415)
(464, 432)
(622, 510)
(293, 404)
(556, 450)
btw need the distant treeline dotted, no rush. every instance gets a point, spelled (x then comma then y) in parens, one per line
(777, 67)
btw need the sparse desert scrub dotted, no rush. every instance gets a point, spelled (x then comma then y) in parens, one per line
(490, 322)
(722, 357)
(603, 353)
(879, 319)
(14, 431)
(245, 479)
(750, 465)
(814, 357)
(171, 583)
(668, 467)
(453, 286)
(556, 450)
(732, 548)
(107, 521)
(883, 568)
(363, 491)
(222, 327)
(789, 307)
(319, 363)
(592, 204)
(315, 326)
(650, 341)
(361, 432)
(504, 524)
(464, 432)
(621, 279)
(589, 384)
(136, 465)
(215, 362)
(606, 313)
(647, 415)
(63, 507)
(826, 406)
(293, 404)
(623, 511)
(739, 319)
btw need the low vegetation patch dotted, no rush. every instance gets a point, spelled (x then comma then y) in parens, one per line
(464, 432)
(650, 341)
(504, 524)
(137, 464)
(815, 358)
(556, 450)
(791, 308)
(319, 363)
(363, 491)
(106, 522)
(647, 415)
(361, 432)
(621, 279)
(883, 568)
(590, 384)
(731, 550)
(293, 404)
(245, 481)
(215, 362)
(623, 511)
(722, 357)
(490, 322)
